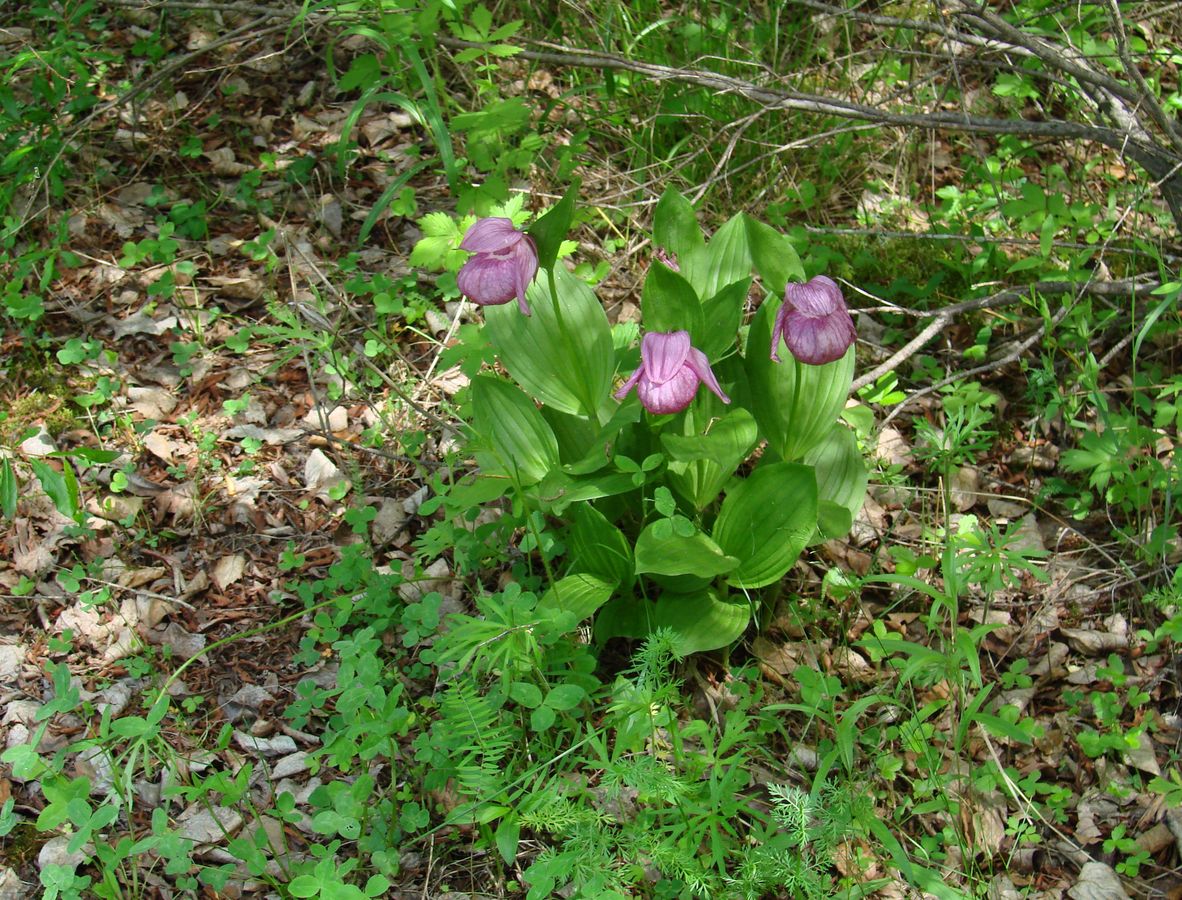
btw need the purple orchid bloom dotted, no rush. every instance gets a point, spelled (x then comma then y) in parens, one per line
(667, 259)
(670, 372)
(504, 261)
(814, 322)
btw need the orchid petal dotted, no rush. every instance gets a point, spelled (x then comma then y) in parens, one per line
(630, 383)
(490, 235)
(819, 297)
(669, 396)
(814, 323)
(488, 280)
(819, 340)
(699, 364)
(664, 354)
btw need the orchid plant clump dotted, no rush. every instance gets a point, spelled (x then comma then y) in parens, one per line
(688, 473)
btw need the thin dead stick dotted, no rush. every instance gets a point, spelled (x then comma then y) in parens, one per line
(1000, 300)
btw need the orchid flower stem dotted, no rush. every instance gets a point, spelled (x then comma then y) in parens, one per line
(797, 378)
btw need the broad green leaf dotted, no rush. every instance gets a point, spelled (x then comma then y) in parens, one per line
(8, 489)
(567, 365)
(669, 303)
(365, 72)
(662, 551)
(576, 434)
(565, 696)
(57, 486)
(598, 547)
(525, 694)
(675, 226)
(1001, 728)
(833, 521)
(766, 520)
(602, 448)
(507, 835)
(701, 464)
(726, 261)
(703, 620)
(841, 480)
(513, 430)
(90, 454)
(580, 595)
(559, 490)
(549, 231)
(773, 256)
(721, 316)
(793, 419)
(541, 718)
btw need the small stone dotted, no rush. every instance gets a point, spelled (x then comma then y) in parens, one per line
(388, 522)
(11, 887)
(965, 488)
(276, 746)
(39, 444)
(248, 698)
(207, 826)
(291, 765)
(1004, 509)
(412, 503)
(1028, 535)
(12, 657)
(54, 853)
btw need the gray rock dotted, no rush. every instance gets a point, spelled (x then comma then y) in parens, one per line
(291, 765)
(276, 746)
(208, 826)
(54, 853)
(12, 657)
(11, 887)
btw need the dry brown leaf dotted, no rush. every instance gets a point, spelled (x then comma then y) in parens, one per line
(228, 570)
(1097, 881)
(1094, 643)
(162, 447)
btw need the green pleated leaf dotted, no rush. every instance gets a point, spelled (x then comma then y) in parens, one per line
(8, 489)
(662, 551)
(550, 231)
(598, 547)
(773, 256)
(703, 620)
(516, 439)
(675, 226)
(701, 464)
(567, 367)
(726, 260)
(669, 303)
(766, 520)
(841, 481)
(575, 434)
(721, 316)
(727, 441)
(793, 421)
(558, 490)
(579, 595)
(61, 487)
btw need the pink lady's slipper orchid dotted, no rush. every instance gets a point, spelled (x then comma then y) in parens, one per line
(667, 259)
(670, 372)
(504, 261)
(814, 322)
